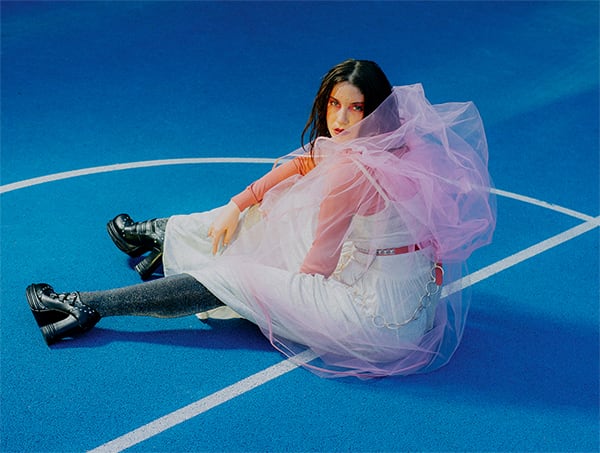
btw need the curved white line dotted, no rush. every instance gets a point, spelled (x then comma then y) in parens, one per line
(128, 166)
(237, 160)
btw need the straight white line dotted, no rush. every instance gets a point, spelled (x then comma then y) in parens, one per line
(192, 410)
(186, 413)
(519, 257)
(127, 166)
(543, 204)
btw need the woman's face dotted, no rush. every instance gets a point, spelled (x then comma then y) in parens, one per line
(345, 108)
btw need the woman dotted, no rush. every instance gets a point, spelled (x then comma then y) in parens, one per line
(337, 250)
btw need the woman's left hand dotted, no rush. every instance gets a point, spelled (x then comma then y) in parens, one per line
(224, 226)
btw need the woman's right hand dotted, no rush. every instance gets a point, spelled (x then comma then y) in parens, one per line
(224, 226)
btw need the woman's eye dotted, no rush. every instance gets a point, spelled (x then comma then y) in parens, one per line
(359, 108)
(333, 103)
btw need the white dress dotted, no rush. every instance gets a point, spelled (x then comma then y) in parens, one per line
(410, 174)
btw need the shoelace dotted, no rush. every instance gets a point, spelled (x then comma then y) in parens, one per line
(70, 298)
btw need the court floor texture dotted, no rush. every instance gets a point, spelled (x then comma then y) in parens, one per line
(162, 108)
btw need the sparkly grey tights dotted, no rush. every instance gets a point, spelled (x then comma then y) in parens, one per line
(169, 297)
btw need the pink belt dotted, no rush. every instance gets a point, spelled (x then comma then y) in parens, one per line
(391, 251)
(438, 270)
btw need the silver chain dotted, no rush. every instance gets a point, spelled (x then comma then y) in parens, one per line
(431, 289)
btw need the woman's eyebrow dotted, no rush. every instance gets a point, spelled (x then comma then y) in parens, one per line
(351, 103)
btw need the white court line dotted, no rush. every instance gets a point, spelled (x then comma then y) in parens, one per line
(181, 415)
(543, 204)
(234, 160)
(205, 404)
(128, 166)
(519, 257)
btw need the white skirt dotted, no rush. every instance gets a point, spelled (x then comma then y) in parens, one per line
(371, 316)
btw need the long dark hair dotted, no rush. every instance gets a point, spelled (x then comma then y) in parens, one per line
(366, 75)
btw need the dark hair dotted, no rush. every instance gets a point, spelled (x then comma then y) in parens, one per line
(366, 75)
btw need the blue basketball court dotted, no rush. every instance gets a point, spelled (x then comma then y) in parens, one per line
(162, 108)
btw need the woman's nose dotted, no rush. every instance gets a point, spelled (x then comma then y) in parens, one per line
(342, 116)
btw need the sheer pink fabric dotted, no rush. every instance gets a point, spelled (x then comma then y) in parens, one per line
(306, 266)
(255, 192)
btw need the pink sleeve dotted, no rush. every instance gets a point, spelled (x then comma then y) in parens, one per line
(324, 254)
(255, 192)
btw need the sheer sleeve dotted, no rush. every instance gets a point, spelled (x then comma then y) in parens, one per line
(347, 193)
(255, 192)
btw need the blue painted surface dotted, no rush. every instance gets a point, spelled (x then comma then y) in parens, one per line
(88, 84)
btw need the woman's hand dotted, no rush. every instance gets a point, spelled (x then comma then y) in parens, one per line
(224, 226)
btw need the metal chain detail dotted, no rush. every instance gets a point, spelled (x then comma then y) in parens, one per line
(431, 289)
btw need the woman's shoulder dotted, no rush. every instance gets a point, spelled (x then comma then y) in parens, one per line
(345, 170)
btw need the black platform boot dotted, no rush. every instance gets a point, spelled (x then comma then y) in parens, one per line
(59, 315)
(137, 238)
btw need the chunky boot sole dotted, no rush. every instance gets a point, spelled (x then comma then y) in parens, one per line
(68, 327)
(59, 315)
(148, 265)
(120, 242)
(43, 316)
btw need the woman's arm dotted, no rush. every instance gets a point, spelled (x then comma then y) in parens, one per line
(255, 192)
(334, 220)
(225, 224)
(348, 193)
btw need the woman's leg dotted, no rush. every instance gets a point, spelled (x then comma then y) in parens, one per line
(169, 297)
(137, 238)
(68, 314)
